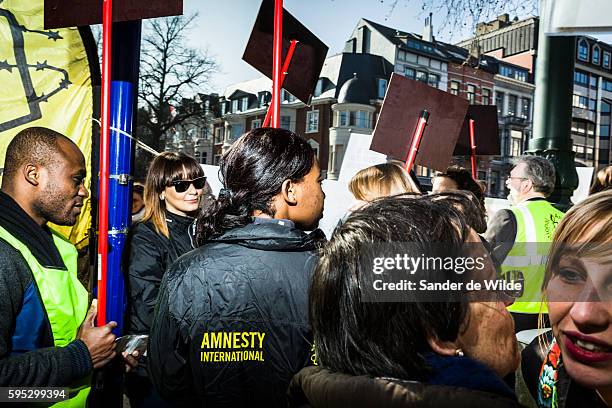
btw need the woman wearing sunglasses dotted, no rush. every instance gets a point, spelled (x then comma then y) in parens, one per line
(231, 324)
(172, 194)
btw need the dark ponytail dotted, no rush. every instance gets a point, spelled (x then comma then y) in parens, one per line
(252, 173)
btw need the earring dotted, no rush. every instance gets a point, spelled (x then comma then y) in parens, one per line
(459, 352)
(162, 197)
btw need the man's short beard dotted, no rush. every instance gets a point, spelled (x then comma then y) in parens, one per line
(53, 211)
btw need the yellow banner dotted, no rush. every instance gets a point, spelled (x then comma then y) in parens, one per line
(45, 81)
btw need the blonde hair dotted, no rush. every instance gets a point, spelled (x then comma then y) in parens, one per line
(164, 169)
(602, 180)
(586, 229)
(378, 181)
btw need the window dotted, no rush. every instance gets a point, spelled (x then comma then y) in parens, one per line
(235, 107)
(513, 72)
(285, 122)
(596, 55)
(454, 87)
(286, 96)
(583, 50)
(382, 88)
(216, 159)
(606, 59)
(515, 147)
(223, 108)
(581, 78)
(417, 45)
(499, 101)
(204, 157)
(589, 153)
(343, 116)
(263, 99)
(409, 73)
(245, 103)
(580, 102)
(486, 96)
(312, 121)
(255, 123)
(236, 131)
(525, 108)
(401, 55)
(512, 100)
(218, 135)
(421, 76)
(591, 130)
(579, 127)
(433, 80)
(362, 119)
(471, 94)
(593, 81)
(592, 105)
(606, 85)
(319, 88)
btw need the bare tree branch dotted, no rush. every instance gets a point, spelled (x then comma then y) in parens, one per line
(457, 16)
(171, 73)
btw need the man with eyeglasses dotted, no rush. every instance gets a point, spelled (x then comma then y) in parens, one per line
(520, 235)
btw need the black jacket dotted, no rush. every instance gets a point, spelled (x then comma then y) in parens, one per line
(150, 254)
(317, 387)
(570, 394)
(231, 325)
(28, 357)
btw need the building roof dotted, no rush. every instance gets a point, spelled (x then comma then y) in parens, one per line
(336, 71)
(355, 90)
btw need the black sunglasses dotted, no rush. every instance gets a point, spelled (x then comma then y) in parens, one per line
(183, 185)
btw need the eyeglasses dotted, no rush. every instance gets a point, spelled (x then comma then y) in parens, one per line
(519, 178)
(183, 185)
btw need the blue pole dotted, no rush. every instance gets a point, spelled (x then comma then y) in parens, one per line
(120, 197)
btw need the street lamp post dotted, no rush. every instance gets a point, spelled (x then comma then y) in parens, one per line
(552, 116)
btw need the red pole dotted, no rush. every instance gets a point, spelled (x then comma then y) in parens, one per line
(473, 149)
(107, 24)
(416, 139)
(276, 62)
(285, 72)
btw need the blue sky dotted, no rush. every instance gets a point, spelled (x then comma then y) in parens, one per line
(223, 27)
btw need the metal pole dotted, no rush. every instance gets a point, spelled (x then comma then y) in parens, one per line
(107, 24)
(416, 139)
(473, 149)
(285, 72)
(552, 116)
(276, 62)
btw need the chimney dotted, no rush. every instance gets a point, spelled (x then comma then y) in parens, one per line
(428, 29)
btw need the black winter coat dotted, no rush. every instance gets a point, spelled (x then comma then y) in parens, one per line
(150, 254)
(317, 387)
(231, 326)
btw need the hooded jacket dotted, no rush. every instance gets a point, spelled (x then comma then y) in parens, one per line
(231, 326)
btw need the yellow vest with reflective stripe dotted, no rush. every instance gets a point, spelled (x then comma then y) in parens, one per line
(536, 222)
(65, 301)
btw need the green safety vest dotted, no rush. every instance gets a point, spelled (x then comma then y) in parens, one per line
(536, 222)
(65, 301)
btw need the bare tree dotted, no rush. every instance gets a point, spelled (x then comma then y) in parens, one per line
(456, 16)
(170, 75)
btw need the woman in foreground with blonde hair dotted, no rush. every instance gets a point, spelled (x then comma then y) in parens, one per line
(572, 365)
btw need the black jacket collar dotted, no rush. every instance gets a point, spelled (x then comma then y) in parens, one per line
(38, 239)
